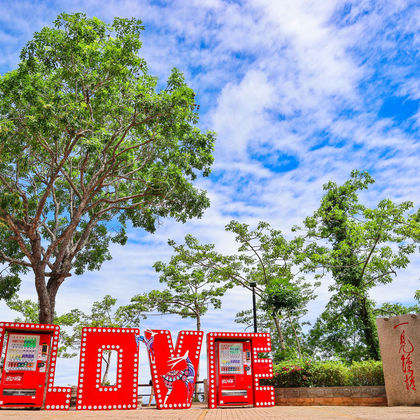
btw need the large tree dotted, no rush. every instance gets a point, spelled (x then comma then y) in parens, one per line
(264, 256)
(89, 146)
(190, 288)
(362, 247)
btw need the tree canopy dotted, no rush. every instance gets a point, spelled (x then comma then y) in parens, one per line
(362, 247)
(190, 287)
(89, 147)
(264, 256)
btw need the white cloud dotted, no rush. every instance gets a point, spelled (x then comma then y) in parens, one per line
(240, 113)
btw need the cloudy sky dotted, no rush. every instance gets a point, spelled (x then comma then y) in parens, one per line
(299, 92)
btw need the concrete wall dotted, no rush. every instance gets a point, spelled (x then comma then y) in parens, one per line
(343, 395)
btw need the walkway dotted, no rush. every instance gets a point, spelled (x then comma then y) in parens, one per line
(199, 412)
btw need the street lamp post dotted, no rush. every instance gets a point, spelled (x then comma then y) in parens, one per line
(253, 285)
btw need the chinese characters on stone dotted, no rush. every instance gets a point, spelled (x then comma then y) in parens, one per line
(406, 348)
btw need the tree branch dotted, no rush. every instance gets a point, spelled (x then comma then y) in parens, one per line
(368, 257)
(50, 184)
(13, 260)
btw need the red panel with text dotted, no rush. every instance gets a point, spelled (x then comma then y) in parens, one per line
(30, 358)
(173, 370)
(228, 350)
(92, 394)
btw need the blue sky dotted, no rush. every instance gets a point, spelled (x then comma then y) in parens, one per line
(299, 92)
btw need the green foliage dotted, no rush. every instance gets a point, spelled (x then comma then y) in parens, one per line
(197, 276)
(104, 314)
(362, 248)
(264, 256)
(9, 285)
(329, 373)
(298, 373)
(291, 374)
(266, 323)
(27, 308)
(275, 264)
(334, 336)
(282, 295)
(366, 373)
(191, 287)
(394, 309)
(86, 139)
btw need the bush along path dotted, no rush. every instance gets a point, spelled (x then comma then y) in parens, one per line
(292, 374)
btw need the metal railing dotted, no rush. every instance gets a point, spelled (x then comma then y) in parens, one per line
(198, 393)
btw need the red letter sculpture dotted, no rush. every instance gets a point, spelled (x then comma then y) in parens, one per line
(92, 395)
(173, 372)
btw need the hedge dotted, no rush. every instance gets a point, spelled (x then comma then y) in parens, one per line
(328, 373)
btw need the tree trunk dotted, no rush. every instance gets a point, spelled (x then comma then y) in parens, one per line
(46, 313)
(107, 361)
(198, 363)
(279, 332)
(296, 336)
(53, 285)
(369, 330)
(198, 323)
(46, 295)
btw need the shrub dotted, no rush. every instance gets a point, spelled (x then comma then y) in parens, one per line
(366, 373)
(330, 373)
(291, 374)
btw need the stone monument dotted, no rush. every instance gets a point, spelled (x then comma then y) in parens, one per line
(399, 340)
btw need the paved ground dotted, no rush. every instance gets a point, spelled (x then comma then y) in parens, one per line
(200, 412)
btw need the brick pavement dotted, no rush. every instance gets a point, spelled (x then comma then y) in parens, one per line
(199, 412)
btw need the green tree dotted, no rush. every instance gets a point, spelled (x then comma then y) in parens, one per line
(264, 256)
(362, 248)
(191, 287)
(89, 146)
(334, 336)
(290, 327)
(103, 314)
(275, 264)
(27, 308)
